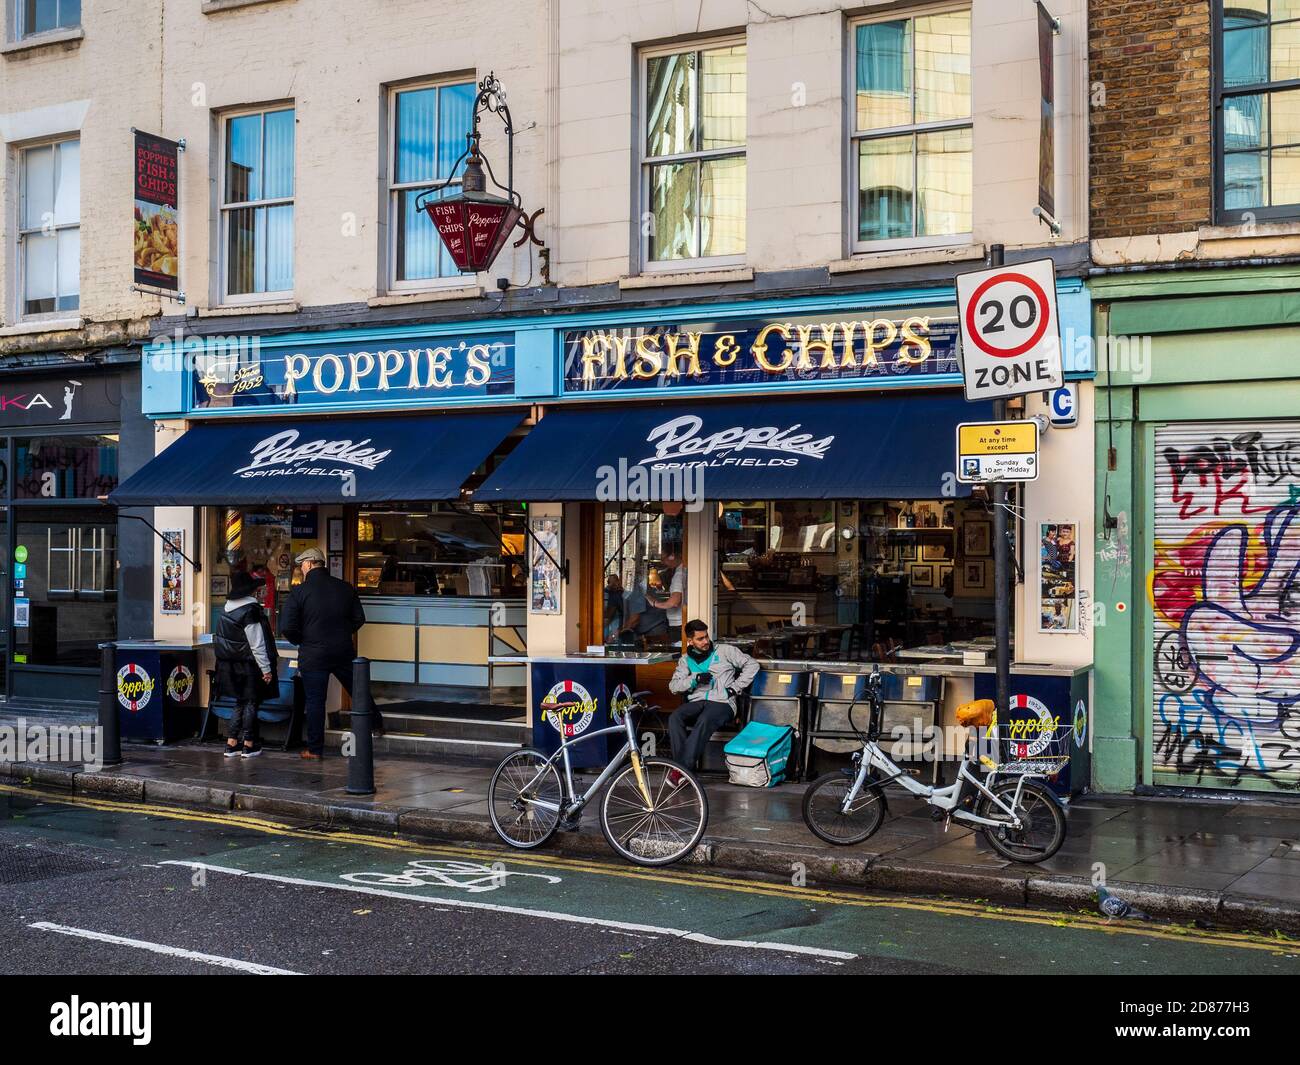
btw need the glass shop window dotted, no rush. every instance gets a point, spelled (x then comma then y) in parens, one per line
(644, 576)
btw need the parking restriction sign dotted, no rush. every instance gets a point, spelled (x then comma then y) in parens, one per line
(1010, 332)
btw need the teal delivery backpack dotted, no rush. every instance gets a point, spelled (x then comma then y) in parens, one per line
(757, 755)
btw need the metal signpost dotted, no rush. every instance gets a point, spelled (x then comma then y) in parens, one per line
(1011, 346)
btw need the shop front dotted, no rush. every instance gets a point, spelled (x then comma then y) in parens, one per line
(67, 568)
(1198, 498)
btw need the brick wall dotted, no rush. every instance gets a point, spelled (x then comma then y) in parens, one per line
(1150, 144)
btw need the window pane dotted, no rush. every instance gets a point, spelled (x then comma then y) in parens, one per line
(416, 126)
(943, 67)
(243, 159)
(40, 273)
(1245, 122)
(674, 211)
(885, 188)
(670, 104)
(722, 206)
(884, 75)
(69, 269)
(279, 249)
(69, 12)
(278, 157)
(67, 194)
(40, 15)
(65, 467)
(1285, 177)
(38, 187)
(419, 248)
(722, 73)
(1245, 56)
(1243, 180)
(1284, 51)
(455, 117)
(1284, 127)
(943, 175)
(240, 242)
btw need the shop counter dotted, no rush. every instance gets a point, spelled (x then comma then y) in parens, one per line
(157, 690)
(574, 694)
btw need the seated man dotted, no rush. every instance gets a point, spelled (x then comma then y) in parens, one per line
(710, 676)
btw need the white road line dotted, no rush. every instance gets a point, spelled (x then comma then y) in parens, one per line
(548, 915)
(162, 948)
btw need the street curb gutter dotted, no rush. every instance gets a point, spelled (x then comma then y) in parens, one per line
(814, 869)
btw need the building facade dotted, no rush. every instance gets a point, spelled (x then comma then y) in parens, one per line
(754, 216)
(74, 570)
(1194, 227)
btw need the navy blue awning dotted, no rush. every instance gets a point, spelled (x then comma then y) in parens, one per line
(353, 460)
(861, 447)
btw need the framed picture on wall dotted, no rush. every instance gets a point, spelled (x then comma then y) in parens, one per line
(907, 551)
(977, 539)
(335, 534)
(934, 552)
(547, 546)
(1058, 581)
(922, 575)
(973, 577)
(172, 572)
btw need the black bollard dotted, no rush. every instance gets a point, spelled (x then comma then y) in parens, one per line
(110, 735)
(361, 766)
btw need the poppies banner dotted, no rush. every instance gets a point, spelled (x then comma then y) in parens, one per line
(157, 231)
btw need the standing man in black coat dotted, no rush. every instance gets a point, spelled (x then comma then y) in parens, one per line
(321, 616)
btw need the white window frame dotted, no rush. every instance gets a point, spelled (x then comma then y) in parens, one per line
(645, 162)
(22, 33)
(392, 186)
(20, 259)
(240, 299)
(856, 136)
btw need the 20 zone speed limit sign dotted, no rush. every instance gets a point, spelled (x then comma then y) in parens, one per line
(1010, 334)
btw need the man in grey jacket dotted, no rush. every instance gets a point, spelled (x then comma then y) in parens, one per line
(710, 676)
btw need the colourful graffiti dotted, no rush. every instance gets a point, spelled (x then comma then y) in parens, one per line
(1226, 653)
(1217, 477)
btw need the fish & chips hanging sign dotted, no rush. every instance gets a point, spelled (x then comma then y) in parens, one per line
(157, 229)
(851, 349)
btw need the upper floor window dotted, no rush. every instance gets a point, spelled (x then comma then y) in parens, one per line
(49, 230)
(427, 130)
(257, 203)
(693, 169)
(40, 16)
(1258, 90)
(912, 128)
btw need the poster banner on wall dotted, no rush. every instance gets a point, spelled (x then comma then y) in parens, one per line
(172, 573)
(1047, 25)
(1058, 609)
(544, 570)
(157, 229)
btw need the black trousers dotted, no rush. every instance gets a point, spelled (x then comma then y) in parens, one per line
(242, 681)
(315, 689)
(691, 725)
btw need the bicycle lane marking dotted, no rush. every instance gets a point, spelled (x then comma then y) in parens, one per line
(440, 899)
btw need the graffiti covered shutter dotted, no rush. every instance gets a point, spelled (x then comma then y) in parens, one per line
(1225, 596)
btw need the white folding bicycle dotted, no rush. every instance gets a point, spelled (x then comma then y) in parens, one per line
(1020, 817)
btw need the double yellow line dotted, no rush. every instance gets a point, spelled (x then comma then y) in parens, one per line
(1279, 945)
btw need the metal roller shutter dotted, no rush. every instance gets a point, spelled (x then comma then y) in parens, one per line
(1225, 592)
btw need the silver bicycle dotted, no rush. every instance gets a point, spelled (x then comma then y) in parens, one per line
(653, 811)
(1020, 817)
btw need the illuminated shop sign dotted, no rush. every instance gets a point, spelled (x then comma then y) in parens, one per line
(432, 370)
(849, 348)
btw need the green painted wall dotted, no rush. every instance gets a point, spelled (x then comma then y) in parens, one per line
(1193, 348)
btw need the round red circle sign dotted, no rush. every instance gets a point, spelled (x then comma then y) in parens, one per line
(1040, 301)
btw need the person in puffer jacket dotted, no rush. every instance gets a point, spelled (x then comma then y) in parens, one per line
(246, 661)
(710, 676)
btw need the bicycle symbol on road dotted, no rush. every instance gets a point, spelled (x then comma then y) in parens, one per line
(473, 877)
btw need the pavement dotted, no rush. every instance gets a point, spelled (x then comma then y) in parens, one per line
(1231, 863)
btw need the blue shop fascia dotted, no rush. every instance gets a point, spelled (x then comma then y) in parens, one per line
(507, 487)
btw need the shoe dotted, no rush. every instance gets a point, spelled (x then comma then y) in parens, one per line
(309, 756)
(676, 778)
(250, 752)
(231, 752)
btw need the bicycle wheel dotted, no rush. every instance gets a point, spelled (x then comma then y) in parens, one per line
(1042, 823)
(522, 781)
(662, 833)
(825, 816)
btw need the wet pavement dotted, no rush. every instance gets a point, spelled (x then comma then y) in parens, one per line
(98, 886)
(1240, 849)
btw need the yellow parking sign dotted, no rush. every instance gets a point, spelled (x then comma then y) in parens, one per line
(997, 451)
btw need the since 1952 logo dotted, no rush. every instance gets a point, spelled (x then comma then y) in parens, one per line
(134, 687)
